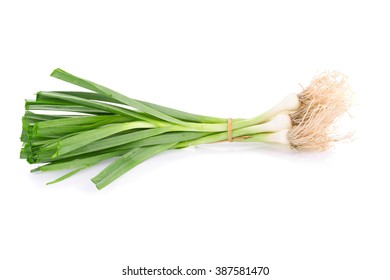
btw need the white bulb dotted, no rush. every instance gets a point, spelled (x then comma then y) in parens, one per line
(289, 103)
(281, 121)
(278, 137)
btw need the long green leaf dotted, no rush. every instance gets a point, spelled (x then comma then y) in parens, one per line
(95, 105)
(127, 162)
(67, 108)
(79, 120)
(84, 138)
(165, 138)
(62, 127)
(118, 140)
(34, 117)
(83, 94)
(67, 175)
(181, 115)
(67, 77)
(77, 163)
(184, 115)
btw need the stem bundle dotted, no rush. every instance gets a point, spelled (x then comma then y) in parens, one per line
(101, 123)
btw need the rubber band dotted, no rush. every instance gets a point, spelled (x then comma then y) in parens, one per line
(229, 130)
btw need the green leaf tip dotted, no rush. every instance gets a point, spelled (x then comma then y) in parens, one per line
(56, 71)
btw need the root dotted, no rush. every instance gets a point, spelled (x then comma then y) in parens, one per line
(322, 103)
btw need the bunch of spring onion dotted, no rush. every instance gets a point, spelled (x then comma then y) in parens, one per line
(87, 127)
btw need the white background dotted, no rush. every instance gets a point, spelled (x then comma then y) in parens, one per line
(305, 216)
